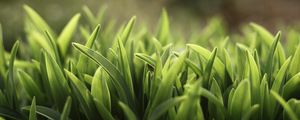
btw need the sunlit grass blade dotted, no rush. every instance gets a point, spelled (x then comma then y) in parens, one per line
(111, 69)
(65, 36)
(280, 77)
(57, 81)
(127, 30)
(254, 78)
(83, 61)
(163, 28)
(241, 100)
(37, 20)
(100, 90)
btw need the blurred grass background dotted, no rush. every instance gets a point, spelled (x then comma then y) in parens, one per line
(183, 13)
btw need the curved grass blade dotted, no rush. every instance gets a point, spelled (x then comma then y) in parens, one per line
(37, 20)
(279, 79)
(65, 36)
(209, 67)
(100, 90)
(109, 68)
(146, 59)
(29, 84)
(105, 113)
(128, 112)
(165, 106)
(9, 113)
(124, 63)
(286, 106)
(295, 63)
(83, 60)
(165, 87)
(269, 67)
(241, 101)
(128, 30)
(57, 81)
(254, 78)
(46, 112)
(291, 86)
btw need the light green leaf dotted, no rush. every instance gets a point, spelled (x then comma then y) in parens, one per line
(100, 90)
(65, 36)
(241, 101)
(163, 28)
(127, 30)
(37, 20)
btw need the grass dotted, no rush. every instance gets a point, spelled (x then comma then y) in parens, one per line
(133, 73)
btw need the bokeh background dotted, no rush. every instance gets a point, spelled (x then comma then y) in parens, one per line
(270, 13)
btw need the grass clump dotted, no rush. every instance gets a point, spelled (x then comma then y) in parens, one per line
(132, 73)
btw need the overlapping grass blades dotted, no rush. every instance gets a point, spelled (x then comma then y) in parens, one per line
(133, 73)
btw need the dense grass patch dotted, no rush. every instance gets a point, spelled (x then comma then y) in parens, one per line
(133, 73)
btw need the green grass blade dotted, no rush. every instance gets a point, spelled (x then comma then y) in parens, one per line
(11, 87)
(127, 30)
(241, 100)
(292, 86)
(2, 52)
(146, 59)
(37, 20)
(270, 58)
(83, 61)
(295, 105)
(294, 69)
(163, 28)
(67, 109)
(31, 87)
(279, 79)
(105, 113)
(209, 67)
(124, 63)
(165, 87)
(128, 112)
(111, 69)
(100, 90)
(65, 36)
(165, 106)
(254, 78)
(32, 112)
(46, 112)
(57, 81)
(286, 106)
